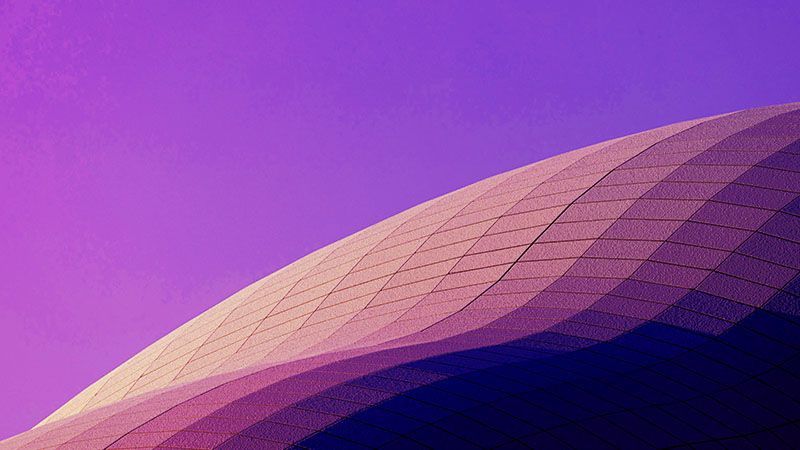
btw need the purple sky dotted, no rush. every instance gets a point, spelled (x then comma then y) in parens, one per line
(156, 157)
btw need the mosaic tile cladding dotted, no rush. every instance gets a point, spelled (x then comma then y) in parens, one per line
(640, 292)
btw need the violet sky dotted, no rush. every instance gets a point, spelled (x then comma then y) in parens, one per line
(155, 156)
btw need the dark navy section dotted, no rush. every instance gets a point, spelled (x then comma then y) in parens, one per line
(656, 386)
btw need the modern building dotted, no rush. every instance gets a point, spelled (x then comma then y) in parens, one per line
(640, 292)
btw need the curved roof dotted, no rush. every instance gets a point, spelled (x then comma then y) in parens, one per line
(513, 310)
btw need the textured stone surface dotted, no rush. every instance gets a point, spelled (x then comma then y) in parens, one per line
(638, 292)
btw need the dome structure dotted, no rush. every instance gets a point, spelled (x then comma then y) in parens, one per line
(640, 292)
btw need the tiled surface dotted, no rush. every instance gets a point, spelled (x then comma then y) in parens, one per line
(641, 292)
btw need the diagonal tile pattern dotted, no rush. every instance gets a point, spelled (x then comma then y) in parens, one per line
(640, 292)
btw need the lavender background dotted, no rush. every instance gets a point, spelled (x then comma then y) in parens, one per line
(156, 157)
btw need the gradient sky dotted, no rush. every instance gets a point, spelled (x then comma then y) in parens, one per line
(155, 157)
